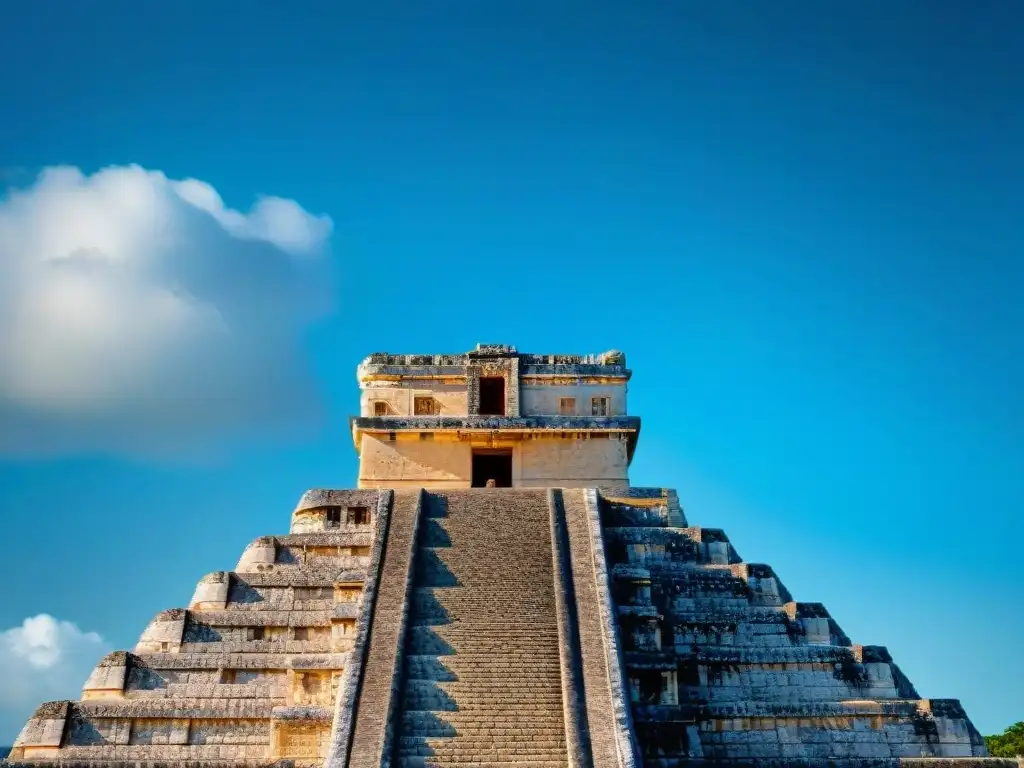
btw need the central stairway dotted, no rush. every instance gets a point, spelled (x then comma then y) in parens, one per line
(482, 681)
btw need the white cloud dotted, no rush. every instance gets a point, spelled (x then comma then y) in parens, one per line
(273, 219)
(42, 660)
(139, 313)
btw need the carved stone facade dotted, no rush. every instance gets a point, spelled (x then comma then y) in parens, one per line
(568, 620)
(561, 420)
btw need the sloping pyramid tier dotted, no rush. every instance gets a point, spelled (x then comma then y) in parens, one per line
(247, 675)
(725, 667)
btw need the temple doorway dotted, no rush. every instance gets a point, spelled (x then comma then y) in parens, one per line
(492, 396)
(492, 465)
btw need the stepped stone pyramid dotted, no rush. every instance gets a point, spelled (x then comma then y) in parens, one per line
(495, 593)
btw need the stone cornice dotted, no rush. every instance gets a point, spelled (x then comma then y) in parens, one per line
(382, 365)
(630, 425)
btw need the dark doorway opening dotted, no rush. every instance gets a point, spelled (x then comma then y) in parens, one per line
(492, 465)
(492, 396)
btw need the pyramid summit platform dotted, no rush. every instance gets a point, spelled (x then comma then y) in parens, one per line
(495, 593)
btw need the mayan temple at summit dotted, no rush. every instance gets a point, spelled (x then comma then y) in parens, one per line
(496, 593)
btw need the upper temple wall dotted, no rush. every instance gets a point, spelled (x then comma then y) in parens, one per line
(535, 385)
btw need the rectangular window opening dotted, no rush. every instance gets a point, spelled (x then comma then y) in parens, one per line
(358, 515)
(599, 406)
(492, 396)
(257, 633)
(332, 518)
(567, 406)
(301, 633)
(380, 408)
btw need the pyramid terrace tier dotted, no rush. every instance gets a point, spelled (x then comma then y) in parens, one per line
(725, 668)
(248, 674)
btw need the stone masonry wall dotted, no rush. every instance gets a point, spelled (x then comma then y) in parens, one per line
(545, 399)
(541, 462)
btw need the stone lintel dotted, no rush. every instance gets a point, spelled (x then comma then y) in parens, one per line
(534, 375)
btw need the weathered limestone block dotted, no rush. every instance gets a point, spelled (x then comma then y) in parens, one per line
(109, 677)
(300, 732)
(164, 633)
(211, 592)
(42, 734)
(159, 732)
(85, 731)
(258, 556)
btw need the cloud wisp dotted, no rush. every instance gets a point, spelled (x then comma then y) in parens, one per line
(140, 314)
(43, 659)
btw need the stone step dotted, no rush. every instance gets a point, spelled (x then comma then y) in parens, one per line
(480, 752)
(495, 702)
(490, 717)
(465, 661)
(495, 616)
(435, 726)
(432, 645)
(483, 751)
(487, 676)
(523, 741)
(429, 762)
(456, 663)
(485, 666)
(485, 637)
(522, 631)
(437, 647)
(479, 688)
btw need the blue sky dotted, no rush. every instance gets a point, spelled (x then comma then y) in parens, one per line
(802, 225)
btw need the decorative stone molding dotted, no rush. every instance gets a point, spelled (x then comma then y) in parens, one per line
(574, 707)
(351, 681)
(628, 749)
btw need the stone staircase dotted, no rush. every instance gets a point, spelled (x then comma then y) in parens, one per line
(482, 681)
